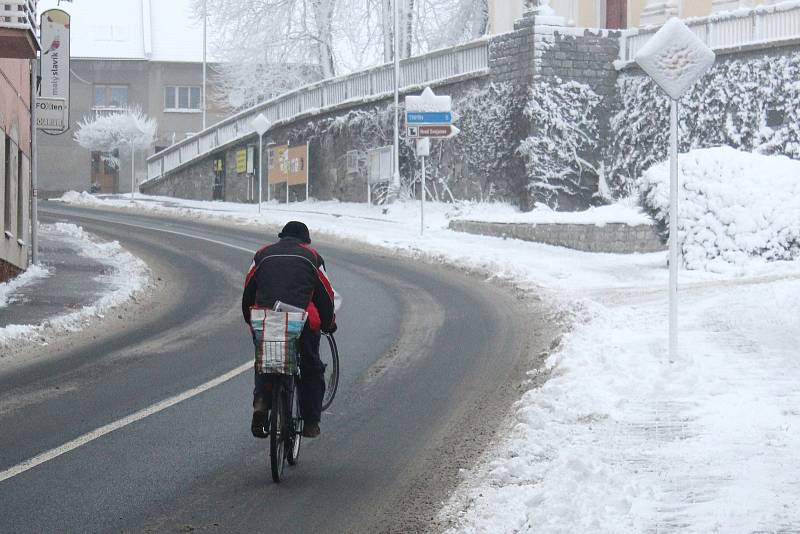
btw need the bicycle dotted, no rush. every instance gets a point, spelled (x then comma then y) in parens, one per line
(275, 334)
(285, 424)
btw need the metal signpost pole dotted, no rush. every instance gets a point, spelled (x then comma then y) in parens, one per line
(422, 200)
(663, 58)
(674, 256)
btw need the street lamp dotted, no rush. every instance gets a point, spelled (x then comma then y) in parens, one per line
(260, 124)
(396, 175)
(205, 15)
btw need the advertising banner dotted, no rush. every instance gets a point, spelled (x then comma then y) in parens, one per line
(288, 164)
(54, 67)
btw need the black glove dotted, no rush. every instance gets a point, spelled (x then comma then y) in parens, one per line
(331, 329)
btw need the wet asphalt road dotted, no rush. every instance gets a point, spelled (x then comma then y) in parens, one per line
(194, 466)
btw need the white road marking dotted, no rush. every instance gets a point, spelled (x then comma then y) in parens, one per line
(116, 425)
(141, 414)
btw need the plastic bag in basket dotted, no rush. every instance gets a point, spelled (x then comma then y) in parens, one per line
(275, 336)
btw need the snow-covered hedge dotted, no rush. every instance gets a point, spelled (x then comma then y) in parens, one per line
(751, 104)
(733, 205)
(564, 123)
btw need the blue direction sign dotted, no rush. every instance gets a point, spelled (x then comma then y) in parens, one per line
(429, 117)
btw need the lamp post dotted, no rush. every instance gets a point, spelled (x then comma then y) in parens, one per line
(260, 124)
(396, 175)
(205, 14)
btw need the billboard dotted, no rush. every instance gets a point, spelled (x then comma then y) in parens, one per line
(53, 83)
(380, 164)
(288, 164)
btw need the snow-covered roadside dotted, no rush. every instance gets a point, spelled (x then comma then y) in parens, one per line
(32, 274)
(125, 276)
(618, 439)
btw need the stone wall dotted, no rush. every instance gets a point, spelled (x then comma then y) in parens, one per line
(519, 58)
(616, 238)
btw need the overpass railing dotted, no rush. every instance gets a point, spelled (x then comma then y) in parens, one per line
(439, 66)
(740, 28)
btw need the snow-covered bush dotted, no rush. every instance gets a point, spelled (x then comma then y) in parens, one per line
(733, 205)
(564, 125)
(751, 104)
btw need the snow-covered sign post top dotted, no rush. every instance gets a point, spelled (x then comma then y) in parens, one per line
(675, 58)
(428, 116)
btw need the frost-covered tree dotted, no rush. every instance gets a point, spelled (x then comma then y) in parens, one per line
(123, 131)
(266, 47)
(128, 130)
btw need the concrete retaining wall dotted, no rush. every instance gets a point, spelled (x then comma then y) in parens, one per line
(616, 238)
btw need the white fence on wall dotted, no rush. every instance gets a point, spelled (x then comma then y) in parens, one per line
(439, 66)
(733, 29)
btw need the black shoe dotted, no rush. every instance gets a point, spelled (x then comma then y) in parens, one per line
(259, 424)
(311, 430)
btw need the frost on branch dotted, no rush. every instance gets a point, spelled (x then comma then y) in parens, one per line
(565, 127)
(118, 131)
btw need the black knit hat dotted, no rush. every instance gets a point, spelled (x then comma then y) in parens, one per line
(297, 230)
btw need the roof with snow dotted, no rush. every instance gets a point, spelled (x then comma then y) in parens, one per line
(156, 30)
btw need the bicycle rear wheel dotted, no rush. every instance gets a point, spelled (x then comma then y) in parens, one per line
(329, 354)
(277, 430)
(295, 424)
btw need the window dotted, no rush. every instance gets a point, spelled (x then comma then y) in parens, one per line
(182, 98)
(110, 96)
(616, 14)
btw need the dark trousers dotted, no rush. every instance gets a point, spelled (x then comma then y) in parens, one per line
(312, 378)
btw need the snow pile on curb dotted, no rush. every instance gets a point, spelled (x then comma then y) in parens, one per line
(126, 276)
(73, 197)
(733, 207)
(33, 273)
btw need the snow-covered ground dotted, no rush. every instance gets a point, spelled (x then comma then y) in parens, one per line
(619, 439)
(125, 275)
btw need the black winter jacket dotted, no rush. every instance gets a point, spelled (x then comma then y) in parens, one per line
(294, 273)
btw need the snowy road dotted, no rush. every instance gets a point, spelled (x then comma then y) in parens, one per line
(418, 399)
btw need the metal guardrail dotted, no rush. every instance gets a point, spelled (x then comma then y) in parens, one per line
(438, 66)
(729, 29)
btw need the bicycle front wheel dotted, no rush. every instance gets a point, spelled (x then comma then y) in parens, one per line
(329, 354)
(277, 431)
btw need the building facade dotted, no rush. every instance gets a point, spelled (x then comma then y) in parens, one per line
(613, 13)
(127, 53)
(18, 45)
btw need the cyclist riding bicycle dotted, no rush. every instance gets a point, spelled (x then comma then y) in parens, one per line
(292, 272)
